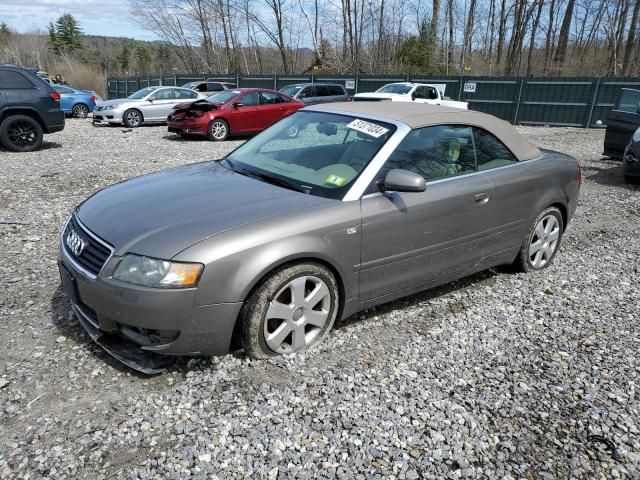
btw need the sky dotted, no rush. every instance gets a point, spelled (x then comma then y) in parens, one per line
(96, 17)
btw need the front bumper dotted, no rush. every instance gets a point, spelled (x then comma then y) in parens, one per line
(143, 320)
(187, 127)
(107, 116)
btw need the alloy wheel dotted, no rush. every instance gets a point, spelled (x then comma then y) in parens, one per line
(133, 118)
(297, 314)
(218, 130)
(80, 111)
(22, 133)
(544, 241)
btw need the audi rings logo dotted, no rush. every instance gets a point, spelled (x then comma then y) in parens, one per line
(75, 243)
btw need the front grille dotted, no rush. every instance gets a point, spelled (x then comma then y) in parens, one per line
(84, 248)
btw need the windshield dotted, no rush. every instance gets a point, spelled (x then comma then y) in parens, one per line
(396, 88)
(322, 153)
(224, 96)
(291, 90)
(142, 93)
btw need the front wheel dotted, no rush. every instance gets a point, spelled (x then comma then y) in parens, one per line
(132, 118)
(218, 130)
(21, 133)
(80, 111)
(292, 310)
(542, 242)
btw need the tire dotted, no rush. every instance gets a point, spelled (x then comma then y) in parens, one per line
(632, 179)
(218, 130)
(542, 241)
(80, 110)
(132, 118)
(264, 329)
(21, 133)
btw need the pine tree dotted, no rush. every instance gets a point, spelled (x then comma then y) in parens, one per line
(5, 33)
(65, 36)
(143, 59)
(163, 56)
(124, 59)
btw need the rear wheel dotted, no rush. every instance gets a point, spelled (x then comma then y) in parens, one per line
(80, 110)
(542, 242)
(21, 133)
(218, 130)
(292, 310)
(132, 118)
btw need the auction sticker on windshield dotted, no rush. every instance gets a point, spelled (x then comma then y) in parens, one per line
(368, 128)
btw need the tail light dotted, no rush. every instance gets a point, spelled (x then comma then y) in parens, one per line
(55, 96)
(92, 99)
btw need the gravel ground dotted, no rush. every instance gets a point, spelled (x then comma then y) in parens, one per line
(500, 375)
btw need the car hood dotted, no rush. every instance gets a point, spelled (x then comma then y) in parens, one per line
(119, 101)
(161, 214)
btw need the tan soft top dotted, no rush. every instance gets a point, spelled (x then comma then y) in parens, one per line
(417, 115)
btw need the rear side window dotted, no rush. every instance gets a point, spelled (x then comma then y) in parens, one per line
(629, 101)
(9, 79)
(322, 91)
(214, 87)
(179, 94)
(271, 97)
(491, 152)
(336, 90)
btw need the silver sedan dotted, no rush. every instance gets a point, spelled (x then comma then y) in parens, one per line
(148, 105)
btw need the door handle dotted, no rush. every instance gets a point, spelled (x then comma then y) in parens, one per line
(482, 198)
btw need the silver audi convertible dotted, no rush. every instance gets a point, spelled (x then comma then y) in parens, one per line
(268, 246)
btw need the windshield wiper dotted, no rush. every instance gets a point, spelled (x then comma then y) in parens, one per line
(231, 164)
(283, 182)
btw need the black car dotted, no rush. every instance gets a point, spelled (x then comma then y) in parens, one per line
(631, 159)
(623, 120)
(29, 107)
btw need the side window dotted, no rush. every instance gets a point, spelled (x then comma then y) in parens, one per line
(432, 94)
(629, 101)
(14, 80)
(322, 91)
(420, 93)
(164, 94)
(307, 92)
(335, 90)
(214, 87)
(250, 99)
(435, 152)
(491, 152)
(185, 94)
(270, 98)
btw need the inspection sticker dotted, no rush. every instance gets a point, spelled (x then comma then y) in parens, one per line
(368, 128)
(336, 180)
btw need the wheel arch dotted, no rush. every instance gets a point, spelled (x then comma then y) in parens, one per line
(9, 112)
(563, 211)
(137, 110)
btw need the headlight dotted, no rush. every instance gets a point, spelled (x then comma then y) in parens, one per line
(152, 272)
(636, 136)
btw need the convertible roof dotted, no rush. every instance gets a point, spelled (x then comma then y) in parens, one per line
(417, 115)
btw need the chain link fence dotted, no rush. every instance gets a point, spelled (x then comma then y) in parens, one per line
(562, 101)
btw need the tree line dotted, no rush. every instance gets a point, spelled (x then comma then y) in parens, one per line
(475, 37)
(482, 37)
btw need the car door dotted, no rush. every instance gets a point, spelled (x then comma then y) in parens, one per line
(273, 107)
(244, 114)
(623, 120)
(414, 238)
(159, 104)
(419, 95)
(307, 95)
(516, 188)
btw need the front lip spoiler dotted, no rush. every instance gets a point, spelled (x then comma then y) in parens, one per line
(125, 352)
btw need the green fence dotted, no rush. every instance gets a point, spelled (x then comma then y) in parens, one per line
(562, 101)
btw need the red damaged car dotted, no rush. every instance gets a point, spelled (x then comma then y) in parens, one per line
(232, 112)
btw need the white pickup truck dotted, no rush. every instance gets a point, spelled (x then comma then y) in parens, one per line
(432, 94)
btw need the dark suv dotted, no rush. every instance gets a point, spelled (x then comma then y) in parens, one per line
(29, 107)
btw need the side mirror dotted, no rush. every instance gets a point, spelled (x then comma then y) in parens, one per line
(398, 180)
(151, 99)
(238, 104)
(413, 96)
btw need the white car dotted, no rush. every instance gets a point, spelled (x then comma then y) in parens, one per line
(148, 105)
(411, 92)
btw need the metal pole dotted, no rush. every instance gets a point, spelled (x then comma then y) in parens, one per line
(515, 117)
(594, 99)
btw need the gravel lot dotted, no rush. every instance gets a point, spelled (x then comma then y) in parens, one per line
(500, 375)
